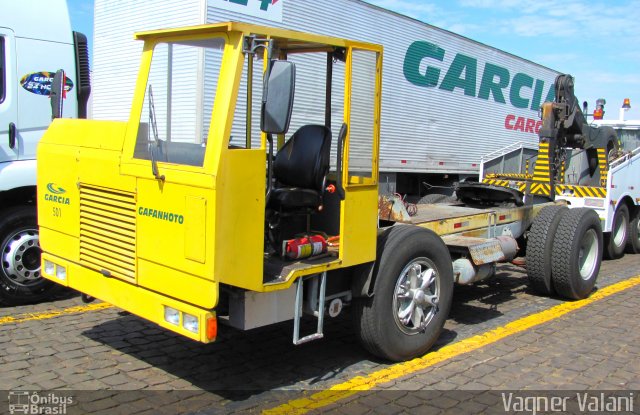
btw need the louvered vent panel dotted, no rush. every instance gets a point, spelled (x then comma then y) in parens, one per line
(108, 231)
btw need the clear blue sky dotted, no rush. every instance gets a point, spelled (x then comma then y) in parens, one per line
(595, 41)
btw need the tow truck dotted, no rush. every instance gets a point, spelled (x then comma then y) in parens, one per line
(169, 220)
(582, 163)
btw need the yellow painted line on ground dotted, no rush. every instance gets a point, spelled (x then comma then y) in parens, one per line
(364, 383)
(53, 313)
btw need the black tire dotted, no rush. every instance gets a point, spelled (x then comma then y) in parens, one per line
(20, 278)
(616, 240)
(432, 198)
(633, 241)
(377, 321)
(577, 253)
(540, 246)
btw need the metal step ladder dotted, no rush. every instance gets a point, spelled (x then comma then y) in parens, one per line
(319, 312)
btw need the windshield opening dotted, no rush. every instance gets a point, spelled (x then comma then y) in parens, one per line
(174, 123)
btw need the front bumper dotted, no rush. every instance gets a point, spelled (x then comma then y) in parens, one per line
(142, 302)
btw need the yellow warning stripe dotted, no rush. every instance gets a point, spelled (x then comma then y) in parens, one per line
(364, 383)
(538, 188)
(541, 169)
(604, 166)
(21, 318)
(583, 191)
(507, 175)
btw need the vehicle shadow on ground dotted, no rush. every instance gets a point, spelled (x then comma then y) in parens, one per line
(60, 294)
(243, 364)
(481, 302)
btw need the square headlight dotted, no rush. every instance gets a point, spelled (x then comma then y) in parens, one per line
(190, 323)
(61, 273)
(171, 315)
(49, 267)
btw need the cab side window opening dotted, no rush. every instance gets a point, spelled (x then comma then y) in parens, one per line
(179, 72)
(362, 115)
(309, 104)
(238, 137)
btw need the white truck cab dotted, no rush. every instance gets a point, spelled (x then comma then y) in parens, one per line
(33, 46)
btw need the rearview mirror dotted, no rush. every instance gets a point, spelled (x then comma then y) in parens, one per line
(57, 94)
(277, 97)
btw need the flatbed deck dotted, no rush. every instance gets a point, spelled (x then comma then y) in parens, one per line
(442, 211)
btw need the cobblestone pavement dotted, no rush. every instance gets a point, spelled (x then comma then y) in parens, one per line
(111, 352)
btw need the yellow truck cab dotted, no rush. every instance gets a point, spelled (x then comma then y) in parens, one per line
(160, 214)
(173, 219)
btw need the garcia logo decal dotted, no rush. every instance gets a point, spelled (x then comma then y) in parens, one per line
(265, 9)
(159, 214)
(495, 82)
(39, 83)
(55, 189)
(55, 193)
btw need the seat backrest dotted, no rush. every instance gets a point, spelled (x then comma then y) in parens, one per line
(303, 161)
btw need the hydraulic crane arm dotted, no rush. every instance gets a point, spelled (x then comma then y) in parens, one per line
(562, 119)
(564, 125)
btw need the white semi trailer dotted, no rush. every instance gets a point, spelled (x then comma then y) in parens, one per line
(33, 46)
(442, 92)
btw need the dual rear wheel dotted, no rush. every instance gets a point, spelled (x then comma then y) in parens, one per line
(564, 251)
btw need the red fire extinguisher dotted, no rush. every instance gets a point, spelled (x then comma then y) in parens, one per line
(304, 247)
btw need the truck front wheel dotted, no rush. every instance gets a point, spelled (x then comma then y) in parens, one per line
(412, 295)
(20, 277)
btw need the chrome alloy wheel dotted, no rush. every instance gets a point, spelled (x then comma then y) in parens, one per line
(416, 296)
(21, 257)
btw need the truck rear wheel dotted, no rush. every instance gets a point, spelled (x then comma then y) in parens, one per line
(412, 295)
(540, 246)
(633, 243)
(577, 253)
(20, 277)
(616, 240)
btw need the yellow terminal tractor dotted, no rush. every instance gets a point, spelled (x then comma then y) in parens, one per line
(171, 218)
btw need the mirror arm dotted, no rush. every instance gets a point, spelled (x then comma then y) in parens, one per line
(269, 47)
(250, 45)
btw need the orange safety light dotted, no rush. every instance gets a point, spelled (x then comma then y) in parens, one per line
(212, 328)
(598, 114)
(626, 103)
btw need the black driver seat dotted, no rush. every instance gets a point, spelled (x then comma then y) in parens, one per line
(299, 169)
